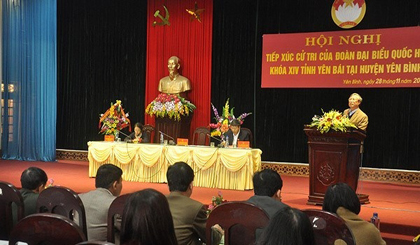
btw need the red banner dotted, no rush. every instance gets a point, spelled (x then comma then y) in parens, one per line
(376, 58)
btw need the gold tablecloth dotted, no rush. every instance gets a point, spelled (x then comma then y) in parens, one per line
(224, 168)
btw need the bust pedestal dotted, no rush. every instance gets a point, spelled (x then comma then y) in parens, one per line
(173, 128)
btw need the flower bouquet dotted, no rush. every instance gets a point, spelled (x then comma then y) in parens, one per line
(171, 105)
(113, 120)
(215, 201)
(50, 183)
(223, 121)
(332, 120)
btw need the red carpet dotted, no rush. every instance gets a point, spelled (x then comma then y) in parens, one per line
(398, 205)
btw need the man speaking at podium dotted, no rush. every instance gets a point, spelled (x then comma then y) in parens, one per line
(356, 115)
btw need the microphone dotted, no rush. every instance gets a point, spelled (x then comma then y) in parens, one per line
(221, 142)
(172, 141)
(215, 138)
(120, 132)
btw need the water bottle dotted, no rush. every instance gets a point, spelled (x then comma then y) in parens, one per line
(161, 139)
(227, 142)
(375, 220)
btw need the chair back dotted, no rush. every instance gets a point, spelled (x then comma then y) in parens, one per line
(63, 201)
(116, 208)
(251, 137)
(95, 243)
(148, 129)
(328, 227)
(8, 195)
(46, 228)
(240, 220)
(200, 136)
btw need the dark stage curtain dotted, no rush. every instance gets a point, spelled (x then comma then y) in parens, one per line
(234, 63)
(101, 58)
(279, 114)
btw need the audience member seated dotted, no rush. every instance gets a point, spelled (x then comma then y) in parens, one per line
(108, 185)
(342, 200)
(288, 226)
(235, 133)
(138, 136)
(33, 181)
(267, 190)
(189, 215)
(147, 219)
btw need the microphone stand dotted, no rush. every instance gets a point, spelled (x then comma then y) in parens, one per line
(120, 132)
(172, 141)
(221, 142)
(361, 166)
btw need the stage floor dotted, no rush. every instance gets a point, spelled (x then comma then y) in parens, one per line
(398, 205)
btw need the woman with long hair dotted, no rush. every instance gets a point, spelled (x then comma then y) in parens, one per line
(147, 220)
(288, 226)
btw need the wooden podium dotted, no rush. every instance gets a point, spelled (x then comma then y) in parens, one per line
(333, 157)
(173, 128)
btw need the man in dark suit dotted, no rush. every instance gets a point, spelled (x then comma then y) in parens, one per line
(267, 190)
(235, 133)
(189, 216)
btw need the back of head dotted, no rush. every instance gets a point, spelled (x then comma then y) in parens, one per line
(32, 178)
(179, 176)
(267, 182)
(106, 175)
(288, 226)
(147, 219)
(341, 195)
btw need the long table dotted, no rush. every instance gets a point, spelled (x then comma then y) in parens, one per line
(224, 168)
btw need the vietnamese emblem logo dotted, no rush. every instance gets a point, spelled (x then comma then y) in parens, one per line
(348, 13)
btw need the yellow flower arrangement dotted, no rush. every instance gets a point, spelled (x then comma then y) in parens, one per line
(332, 120)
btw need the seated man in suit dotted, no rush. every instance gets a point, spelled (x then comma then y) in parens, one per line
(33, 181)
(108, 185)
(267, 190)
(356, 115)
(189, 216)
(236, 134)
